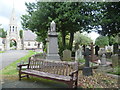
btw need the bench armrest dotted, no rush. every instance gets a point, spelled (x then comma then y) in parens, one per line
(20, 66)
(74, 72)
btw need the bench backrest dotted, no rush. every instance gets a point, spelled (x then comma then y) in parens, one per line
(50, 66)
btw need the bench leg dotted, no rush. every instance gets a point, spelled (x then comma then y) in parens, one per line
(19, 76)
(71, 85)
(28, 76)
(75, 84)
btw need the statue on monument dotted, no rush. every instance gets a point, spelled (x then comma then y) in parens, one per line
(53, 26)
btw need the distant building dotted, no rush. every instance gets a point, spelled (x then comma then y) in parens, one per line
(28, 41)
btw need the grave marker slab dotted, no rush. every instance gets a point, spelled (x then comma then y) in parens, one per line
(67, 55)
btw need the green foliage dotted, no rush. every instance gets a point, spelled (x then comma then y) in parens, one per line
(109, 18)
(21, 34)
(82, 39)
(3, 33)
(2, 51)
(70, 17)
(102, 41)
(116, 70)
(81, 61)
(13, 43)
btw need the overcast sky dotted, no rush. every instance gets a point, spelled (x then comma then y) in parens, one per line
(6, 7)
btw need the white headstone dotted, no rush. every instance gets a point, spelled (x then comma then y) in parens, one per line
(78, 54)
(103, 59)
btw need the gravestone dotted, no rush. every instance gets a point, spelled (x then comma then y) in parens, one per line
(115, 48)
(103, 59)
(115, 60)
(96, 50)
(101, 52)
(78, 54)
(52, 49)
(66, 55)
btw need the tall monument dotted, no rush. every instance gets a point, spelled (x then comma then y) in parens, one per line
(52, 49)
(13, 33)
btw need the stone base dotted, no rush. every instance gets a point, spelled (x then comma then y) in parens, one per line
(104, 68)
(87, 71)
(53, 57)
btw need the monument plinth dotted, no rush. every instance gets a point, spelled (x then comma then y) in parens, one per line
(52, 49)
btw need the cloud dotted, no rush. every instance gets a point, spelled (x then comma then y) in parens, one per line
(5, 22)
(6, 7)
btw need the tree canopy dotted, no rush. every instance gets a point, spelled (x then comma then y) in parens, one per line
(109, 19)
(82, 39)
(71, 17)
(102, 41)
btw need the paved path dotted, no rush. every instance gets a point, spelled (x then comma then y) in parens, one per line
(10, 56)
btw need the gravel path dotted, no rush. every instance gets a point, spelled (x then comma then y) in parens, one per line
(10, 56)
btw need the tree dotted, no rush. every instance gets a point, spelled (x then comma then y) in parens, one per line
(70, 17)
(109, 19)
(21, 34)
(102, 41)
(3, 33)
(81, 39)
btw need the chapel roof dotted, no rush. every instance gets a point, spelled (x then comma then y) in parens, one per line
(29, 36)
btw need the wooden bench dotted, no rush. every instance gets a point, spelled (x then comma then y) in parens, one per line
(63, 71)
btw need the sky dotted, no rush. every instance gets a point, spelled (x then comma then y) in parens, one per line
(6, 7)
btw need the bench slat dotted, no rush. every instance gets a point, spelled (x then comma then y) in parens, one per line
(43, 74)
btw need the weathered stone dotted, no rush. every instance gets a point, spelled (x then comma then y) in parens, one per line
(87, 71)
(66, 55)
(115, 48)
(103, 59)
(52, 49)
(78, 54)
(115, 60)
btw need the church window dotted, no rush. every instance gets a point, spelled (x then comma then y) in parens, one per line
(13, 28)
(28, 43)
(10, 28)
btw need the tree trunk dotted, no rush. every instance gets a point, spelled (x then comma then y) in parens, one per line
(71, 40)
(63, 39)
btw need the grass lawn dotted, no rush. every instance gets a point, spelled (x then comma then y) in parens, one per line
(2, 51)
(11, 69)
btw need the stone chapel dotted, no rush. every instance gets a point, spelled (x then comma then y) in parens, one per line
(28, 42)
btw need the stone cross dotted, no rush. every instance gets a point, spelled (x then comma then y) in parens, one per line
(86, 55)
(87, 71)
